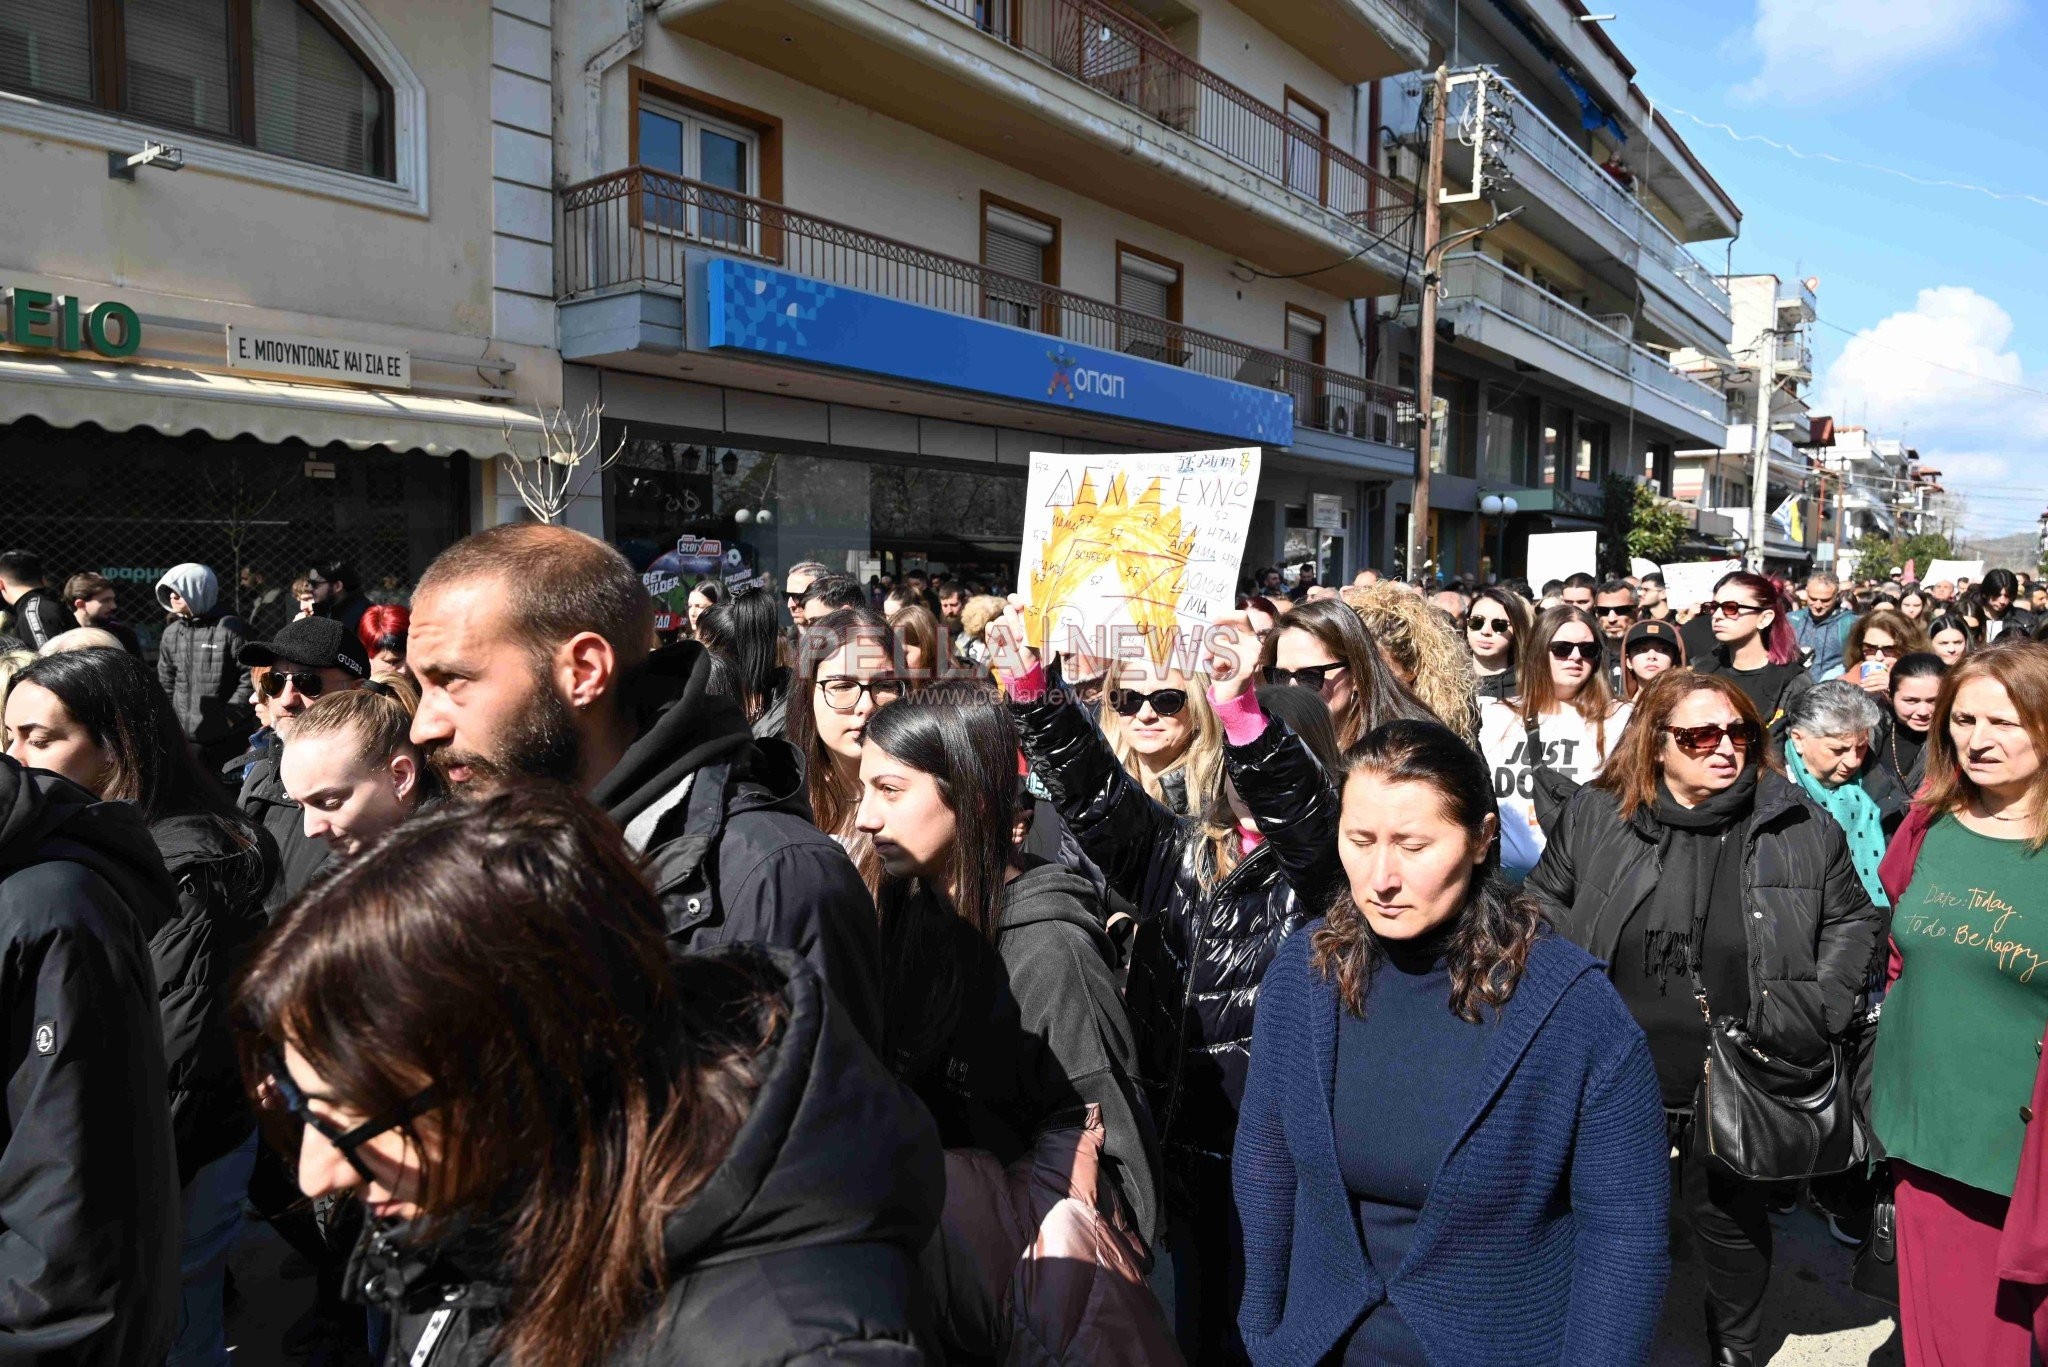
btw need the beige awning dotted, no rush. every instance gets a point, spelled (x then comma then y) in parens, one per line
(66, 393)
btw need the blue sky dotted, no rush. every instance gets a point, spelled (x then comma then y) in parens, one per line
(1945, 89)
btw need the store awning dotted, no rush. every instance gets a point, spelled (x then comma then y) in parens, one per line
(176, 401)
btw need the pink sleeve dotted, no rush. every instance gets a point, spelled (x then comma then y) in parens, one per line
(1029, 686)
(1243, 721)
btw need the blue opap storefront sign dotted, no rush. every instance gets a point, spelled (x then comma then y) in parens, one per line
(755, 308)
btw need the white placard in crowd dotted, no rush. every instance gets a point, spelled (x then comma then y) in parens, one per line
(1119, 545)
(1639, 567)
(1690, 584)
(1939, 571)
(1558, 555)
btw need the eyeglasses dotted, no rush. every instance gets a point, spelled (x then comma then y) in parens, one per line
(1167, 702)
(1615, 610)
(308, 684)
(843, 694)
(1887, 652)
(1704, 740)
(1589, 651)
(1312, 676)
(1731, 608)
(286, 1097)
(314, 581)
(1499, 625)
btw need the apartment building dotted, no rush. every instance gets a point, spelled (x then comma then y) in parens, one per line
(834, 268)
(268, 339)
(1769, 350)
(1863, 482)
(1557, 329)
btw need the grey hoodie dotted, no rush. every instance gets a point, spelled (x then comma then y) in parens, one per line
(192, 581)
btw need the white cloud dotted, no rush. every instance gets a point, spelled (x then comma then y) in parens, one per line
(1813, 50)
(1938, 375)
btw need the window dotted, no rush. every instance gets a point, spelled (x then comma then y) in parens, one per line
(1510, 442)
(1020, 244)
(272, 74)
(1305, 166)
(715, 153)
(1556, 422)
(1590, 463)
(1149, 285)
(1304, 343)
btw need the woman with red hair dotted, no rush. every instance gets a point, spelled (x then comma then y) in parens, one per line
(383, 631)
(1754, 647)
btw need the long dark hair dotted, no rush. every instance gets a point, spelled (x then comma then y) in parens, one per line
(967, 742)
(832, 804)
(1489, 946)
(1780, 640)
(746, 649)
(1376, 695)
(511, 954)
(1517, 609)
(1594, 702)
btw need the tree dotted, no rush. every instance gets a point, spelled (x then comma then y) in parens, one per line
(1641, 522)
(548, 482)
(1877, 556)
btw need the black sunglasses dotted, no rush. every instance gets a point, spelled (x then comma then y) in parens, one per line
(1731, 608)
(286, 1097)
(1615, 610)
(1496, 624)
(1589, 651)
(1704, 740)
(1311, 676)
(843, 694)
(308, 684)
(1167, 702)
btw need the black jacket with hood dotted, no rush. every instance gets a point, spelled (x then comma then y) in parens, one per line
(196, 660)
(300, 858)
(1038, 1031)
(726, 829)
(1811, 929)
(38, 617)
(800, 1249)
(221, 884)
(88, 1174)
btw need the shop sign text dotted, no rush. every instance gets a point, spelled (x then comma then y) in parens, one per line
(64, 322)
(319, 358)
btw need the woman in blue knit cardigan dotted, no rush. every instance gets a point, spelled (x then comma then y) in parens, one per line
(1452, 1150)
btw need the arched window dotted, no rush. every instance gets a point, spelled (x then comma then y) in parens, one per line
(276, 75)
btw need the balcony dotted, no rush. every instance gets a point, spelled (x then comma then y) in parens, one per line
(1499, 311)
(1574, 202)
(635, 231)
(1354, 40)
(1078, 94)
(1794, 356)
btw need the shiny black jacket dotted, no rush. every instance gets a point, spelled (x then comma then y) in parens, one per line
(1812, 931)
(801, 1247)
(208, 687)
(1204, 942)
(300, 858)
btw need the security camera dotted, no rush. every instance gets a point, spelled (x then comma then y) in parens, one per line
(121, 167)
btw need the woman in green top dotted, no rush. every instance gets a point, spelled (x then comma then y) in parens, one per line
(1959, 1039)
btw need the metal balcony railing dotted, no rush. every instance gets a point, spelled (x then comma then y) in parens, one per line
(1140, 68)
(633, 227)
(1481, 278)
(1794, 353)
(1657, 242)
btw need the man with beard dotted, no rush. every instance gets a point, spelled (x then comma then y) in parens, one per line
(531, 646)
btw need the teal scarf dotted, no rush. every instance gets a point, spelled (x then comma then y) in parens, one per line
(1856, 813)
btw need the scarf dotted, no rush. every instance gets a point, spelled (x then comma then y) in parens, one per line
(1697, 870)
(1855, 811)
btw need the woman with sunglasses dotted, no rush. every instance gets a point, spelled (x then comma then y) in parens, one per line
(1164, 733)
(574, 1146)
(1950, 638)
(1877, 641)
(97, 718)
(1420, 644)
(1216, 892)
(1958, 1075)
(1564, 719)
(1754, 645)
(1690, 864)
(1326, 646)
(845, 670)
(1494, 627)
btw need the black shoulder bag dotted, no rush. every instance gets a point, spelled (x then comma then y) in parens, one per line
(1552, 789)
(1765, 1118)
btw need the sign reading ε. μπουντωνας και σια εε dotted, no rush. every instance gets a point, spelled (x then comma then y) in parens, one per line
(40, 320)
(319, 358)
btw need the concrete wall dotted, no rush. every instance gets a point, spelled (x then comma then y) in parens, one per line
(1243, 52)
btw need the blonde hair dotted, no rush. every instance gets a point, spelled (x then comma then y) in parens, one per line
(379, 714)
(1420, 643)
(977, 612)
(81, 638)
(1201, 760)
(12, 662)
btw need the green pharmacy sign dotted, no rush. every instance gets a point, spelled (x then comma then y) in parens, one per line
(63, 322)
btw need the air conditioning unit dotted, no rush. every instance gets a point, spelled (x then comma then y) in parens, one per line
(1333, 416)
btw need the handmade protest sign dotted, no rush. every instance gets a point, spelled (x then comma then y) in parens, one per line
(1949, 571)
(1133, 552)
(1692, 583)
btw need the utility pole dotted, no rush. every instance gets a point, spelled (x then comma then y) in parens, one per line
(1760, 449)
(1425, 366)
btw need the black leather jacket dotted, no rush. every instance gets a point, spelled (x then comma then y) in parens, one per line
(1204, 942)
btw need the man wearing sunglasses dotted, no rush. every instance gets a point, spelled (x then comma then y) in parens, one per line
(1614, 608)
(308, 659)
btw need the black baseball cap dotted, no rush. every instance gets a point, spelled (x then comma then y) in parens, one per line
(315, 642)
(1650, 631)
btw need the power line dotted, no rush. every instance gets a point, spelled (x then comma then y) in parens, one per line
(1865, 336)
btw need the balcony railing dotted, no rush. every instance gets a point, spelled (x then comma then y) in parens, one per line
(633, 227)
(1657, 241)
(1138, 67)
(1473, 276)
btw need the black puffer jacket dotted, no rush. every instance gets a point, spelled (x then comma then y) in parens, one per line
(222, 877)
(801, 1248)
(724, 823)
(208, 687)
(300, 857)
(1205, 942)
(88, 1174)
(1811, 928)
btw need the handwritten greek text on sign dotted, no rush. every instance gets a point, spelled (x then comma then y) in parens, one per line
(319, 358)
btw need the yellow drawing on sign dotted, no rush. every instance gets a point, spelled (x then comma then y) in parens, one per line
(1144, 542)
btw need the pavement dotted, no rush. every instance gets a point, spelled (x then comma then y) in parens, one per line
(1812, 1318)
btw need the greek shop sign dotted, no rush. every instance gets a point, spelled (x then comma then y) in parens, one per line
(64, 322)
(319, 358)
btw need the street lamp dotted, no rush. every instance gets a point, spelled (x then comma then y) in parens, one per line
(1500, 507)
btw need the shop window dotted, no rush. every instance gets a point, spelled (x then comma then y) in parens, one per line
(276, 75)
(1589, 464)
(713, 152)
(1026, 247)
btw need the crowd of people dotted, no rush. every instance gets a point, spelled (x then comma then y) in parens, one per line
(1382, 975)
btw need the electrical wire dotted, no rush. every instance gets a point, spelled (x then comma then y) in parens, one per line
(1926, 361)
(1387, 236)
